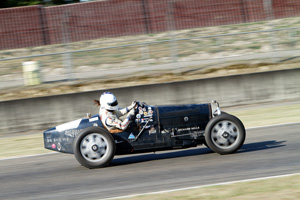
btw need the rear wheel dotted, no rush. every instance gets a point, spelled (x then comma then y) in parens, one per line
(225, 134)
(94, 147)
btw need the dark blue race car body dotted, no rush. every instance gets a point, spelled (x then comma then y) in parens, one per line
(164, 127)
(154, 128)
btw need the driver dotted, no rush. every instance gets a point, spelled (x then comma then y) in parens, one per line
(109, 113)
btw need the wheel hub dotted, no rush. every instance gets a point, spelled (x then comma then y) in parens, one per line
(95, 147)
(225, 135)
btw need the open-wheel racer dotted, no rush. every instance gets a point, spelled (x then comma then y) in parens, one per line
(153, 128)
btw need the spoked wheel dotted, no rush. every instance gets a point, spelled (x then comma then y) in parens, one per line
(94, 147)
(225, 134)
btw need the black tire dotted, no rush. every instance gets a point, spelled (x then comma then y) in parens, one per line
(225, 134)
(94, 147)
(204, 141)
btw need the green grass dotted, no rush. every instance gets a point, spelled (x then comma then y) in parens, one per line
(269, 115)
(287, 188)
(255, 47)
(22, 146)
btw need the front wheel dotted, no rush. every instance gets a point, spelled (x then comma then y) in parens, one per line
(225, 134)
(94, 147)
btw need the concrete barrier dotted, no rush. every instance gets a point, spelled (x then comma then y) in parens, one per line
(45, 112)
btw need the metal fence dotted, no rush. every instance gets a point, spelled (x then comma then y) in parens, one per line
(117, 38)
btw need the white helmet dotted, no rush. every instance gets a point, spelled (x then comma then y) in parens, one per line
(109, 101)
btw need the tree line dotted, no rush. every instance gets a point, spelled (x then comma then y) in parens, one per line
(16, 3)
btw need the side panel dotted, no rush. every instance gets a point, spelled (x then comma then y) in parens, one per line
(184, 124)
(184, 116)
(60, 138)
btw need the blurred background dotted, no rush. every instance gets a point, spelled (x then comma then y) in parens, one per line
(50, 49)
(118, 39)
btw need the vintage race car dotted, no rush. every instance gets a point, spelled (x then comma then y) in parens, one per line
(154, 128)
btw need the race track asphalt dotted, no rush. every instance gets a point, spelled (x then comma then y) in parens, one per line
(267, 151)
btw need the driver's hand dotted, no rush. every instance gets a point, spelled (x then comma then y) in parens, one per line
(133, 105)
(131, 114)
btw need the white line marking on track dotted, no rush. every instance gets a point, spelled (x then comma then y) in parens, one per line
(274, 125)
(28, 156)
(202, 186)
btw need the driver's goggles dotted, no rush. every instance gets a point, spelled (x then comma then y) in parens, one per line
(115, 103)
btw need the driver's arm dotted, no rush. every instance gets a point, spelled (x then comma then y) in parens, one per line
(117, 123)
(124, 111)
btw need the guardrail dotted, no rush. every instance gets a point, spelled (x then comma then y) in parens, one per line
(45, 112)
